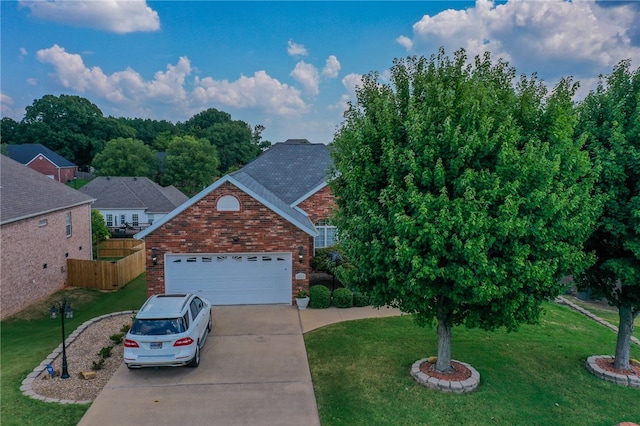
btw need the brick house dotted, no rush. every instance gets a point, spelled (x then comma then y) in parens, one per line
(42, 224)
(44, 160)
(248, 238)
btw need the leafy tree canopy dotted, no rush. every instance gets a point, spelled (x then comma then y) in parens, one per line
(610, 117)
(190, 164)
(463, 197)
(126, 157)
(99, 230)
(235, 142)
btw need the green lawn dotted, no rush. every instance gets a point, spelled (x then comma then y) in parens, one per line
(30, 336)
(535, 376)
(604, 311)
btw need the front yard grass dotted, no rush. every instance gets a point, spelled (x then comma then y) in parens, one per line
(28, 337)
(605, 311)
(535, 376)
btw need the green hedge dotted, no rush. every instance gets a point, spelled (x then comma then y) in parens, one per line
(360, 299)
(343, 298)
(319, 297)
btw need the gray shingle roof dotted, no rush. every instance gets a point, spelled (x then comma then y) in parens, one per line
(291, 169)
(26, 193)
(26, 152)
(120, 192)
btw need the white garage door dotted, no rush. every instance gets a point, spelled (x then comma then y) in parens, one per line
(231, 279)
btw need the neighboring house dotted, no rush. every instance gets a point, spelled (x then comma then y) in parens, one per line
(44, 160)
(247, 238)
(42, 224)
(129, 204)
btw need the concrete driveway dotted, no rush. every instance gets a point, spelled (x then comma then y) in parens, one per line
(253, 371)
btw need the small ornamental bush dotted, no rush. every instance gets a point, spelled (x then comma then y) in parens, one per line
(116, 338)
(360, 299)
(343, 298)
(105, 352)
(125, 328)
(97, 365)
(319, 297)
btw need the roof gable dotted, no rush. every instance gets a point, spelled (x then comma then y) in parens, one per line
(121, 192)
(251, 187)
(27, 193)
(27, 152)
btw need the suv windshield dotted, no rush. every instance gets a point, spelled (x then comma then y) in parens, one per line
(156, 327)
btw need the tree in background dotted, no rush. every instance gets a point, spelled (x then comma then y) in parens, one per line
(190, 164)
(610, 117)
(463, 197)
(126, 157)
(99, 230)
(69, 125)
(233, 139)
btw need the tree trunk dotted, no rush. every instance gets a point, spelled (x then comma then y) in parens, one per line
(444, 346)
(623, 344)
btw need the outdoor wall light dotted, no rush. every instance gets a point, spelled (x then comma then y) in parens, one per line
(154, 256)
(235, 238)
(66, 311)
(300, 253)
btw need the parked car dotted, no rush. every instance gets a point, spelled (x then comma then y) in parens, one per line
(169, 330)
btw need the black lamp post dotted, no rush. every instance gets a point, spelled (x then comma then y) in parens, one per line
(65, 310)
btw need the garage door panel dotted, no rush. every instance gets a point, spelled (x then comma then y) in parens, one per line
(227, 279)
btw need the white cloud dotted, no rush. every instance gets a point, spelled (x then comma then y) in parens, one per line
(259, 91)
(32, 81)
(308, 76)
(405, 42)
(351, 82)
(130, 92)
(332, 67)
(110, 15)
(23, 52)
(296, 49)
(5, 105)
(558, 36)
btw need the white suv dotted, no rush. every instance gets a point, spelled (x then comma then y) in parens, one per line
(169, 330)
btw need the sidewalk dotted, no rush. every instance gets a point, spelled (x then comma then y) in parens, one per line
(310, 319)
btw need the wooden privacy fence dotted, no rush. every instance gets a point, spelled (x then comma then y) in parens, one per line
(105, 275)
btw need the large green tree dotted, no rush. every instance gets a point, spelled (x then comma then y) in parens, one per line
(234, 140)
(190, 164)
(463, 197)
(126, 157)
(610, 116)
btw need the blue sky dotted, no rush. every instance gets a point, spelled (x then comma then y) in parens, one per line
(291, 66)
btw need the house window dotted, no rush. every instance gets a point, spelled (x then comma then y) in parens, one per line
(228, 203)
(326, 234)
(123, 220)
(68, 224)
(150, 218)
(134, 219)
(109, 220)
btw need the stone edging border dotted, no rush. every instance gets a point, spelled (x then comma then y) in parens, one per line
(26, 387)
(596, 318)
(630, 380)
(454, 386)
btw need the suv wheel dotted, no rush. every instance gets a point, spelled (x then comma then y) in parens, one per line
(196, 358)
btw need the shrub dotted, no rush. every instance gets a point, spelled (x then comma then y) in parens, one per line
(105, 352)
(116, 338)
(97, 365)
(125, 328)
(319, 297)
(343, 298)
(360, 299)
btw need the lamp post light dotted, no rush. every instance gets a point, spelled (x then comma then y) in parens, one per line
(66, 311)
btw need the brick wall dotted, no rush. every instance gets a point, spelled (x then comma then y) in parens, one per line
(44, 166)
(319, 205)
(28, 245)
(203, 229)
